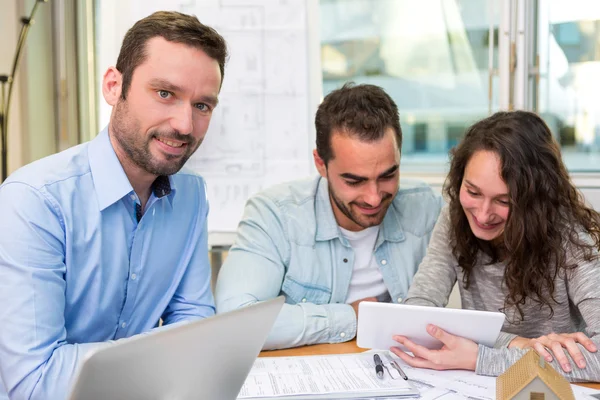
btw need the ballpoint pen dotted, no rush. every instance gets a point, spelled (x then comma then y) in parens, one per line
(397, 367)
(378, 366)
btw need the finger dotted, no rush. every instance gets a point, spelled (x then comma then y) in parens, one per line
(575, 353)
(560, 356)
(398, 338)
(417, 350)
(416, 362)
(541, 350)
(441, 334)
(585, 341)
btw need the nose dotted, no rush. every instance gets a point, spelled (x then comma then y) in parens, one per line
(485, 212)
(182, 119)
(372, 196)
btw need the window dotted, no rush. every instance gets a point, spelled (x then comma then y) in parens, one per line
(433, 58)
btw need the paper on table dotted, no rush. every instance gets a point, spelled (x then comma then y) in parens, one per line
(345, 376)
(465, 384)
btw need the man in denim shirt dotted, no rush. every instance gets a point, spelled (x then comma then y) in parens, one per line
(353, 234)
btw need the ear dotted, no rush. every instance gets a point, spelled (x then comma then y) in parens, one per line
(320, 164)
(112, 85)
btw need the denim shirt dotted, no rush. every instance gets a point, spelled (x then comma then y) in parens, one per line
(289, 243)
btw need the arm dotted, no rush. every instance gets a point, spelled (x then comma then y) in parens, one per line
(254, 271)
(461, 353)
(582, 284)
(494, 362)
(36, 362)
(436, 276)
(193, 298)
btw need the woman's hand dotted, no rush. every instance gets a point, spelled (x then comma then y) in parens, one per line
(457, 352)
(555, 343)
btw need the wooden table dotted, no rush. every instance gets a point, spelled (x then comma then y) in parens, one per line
(342, 348)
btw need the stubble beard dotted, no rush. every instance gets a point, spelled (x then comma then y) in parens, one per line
(136, 144)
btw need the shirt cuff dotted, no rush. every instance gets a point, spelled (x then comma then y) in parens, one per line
(342, 322)
(493, 362)
(504, 340)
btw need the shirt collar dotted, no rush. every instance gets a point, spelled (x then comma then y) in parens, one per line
(327, 226)
(109, 178)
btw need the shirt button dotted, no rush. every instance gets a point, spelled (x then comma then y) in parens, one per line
(133, 277)
(345, 260)
(343, 334)
(132, 197)
(304, 300)
(383, 262)
(123, 325)
(399, 299)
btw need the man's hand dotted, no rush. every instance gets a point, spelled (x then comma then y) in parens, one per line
(357, 302)
(457, 352)
(555, 343)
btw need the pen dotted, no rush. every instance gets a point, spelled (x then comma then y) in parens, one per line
(397, 367)
(378, 366)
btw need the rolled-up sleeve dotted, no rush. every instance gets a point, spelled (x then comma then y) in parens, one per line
(254, 271)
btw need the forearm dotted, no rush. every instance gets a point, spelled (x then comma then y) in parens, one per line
(25, 378)
(307, 323)
(493, 362)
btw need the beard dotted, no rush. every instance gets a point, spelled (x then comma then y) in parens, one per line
(364, 221)
(136, 144)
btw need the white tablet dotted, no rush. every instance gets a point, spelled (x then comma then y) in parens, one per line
(378, 322)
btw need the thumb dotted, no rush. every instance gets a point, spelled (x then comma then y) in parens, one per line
(439, 334)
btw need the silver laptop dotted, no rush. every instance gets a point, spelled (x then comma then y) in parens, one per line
(207, 359)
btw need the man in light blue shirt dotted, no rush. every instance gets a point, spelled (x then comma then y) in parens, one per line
(101, 241)
(351, 235)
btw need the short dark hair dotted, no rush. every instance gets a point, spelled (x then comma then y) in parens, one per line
(174, 27)
(364, 111)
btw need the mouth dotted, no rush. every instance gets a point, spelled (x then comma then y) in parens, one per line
(487, 226)
(171, 146)
(369, 210)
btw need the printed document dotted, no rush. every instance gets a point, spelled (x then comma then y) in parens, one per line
(346, 376)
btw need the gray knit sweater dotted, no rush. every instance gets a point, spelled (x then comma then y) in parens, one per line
(578, 308)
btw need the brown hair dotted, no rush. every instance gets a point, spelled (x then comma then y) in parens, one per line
(173, 27)
(365, 111)
(548, 219)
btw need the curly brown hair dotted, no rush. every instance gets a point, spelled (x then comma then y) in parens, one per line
(548, 218)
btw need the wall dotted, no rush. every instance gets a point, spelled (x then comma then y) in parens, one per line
(9, 30)
(32, 123)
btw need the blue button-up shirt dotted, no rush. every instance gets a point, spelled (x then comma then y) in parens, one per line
(78, 269)
(289, 243)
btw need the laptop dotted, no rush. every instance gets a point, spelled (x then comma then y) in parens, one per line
(206, 359)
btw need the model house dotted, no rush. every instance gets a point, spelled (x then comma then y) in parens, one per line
(531, 378)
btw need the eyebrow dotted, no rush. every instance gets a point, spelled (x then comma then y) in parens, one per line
(166, 85)
(389, 171)
(477, 188)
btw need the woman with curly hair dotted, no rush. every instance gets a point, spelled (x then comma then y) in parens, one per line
(519, 238)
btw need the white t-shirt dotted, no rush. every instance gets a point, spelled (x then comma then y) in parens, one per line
(366, 280)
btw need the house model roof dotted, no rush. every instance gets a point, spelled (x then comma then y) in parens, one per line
(529, 367)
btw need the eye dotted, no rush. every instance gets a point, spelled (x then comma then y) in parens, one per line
(163, 94)
(353, 183)
(202, 107)
(504, 202)
(388, 177)
(472, 193)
